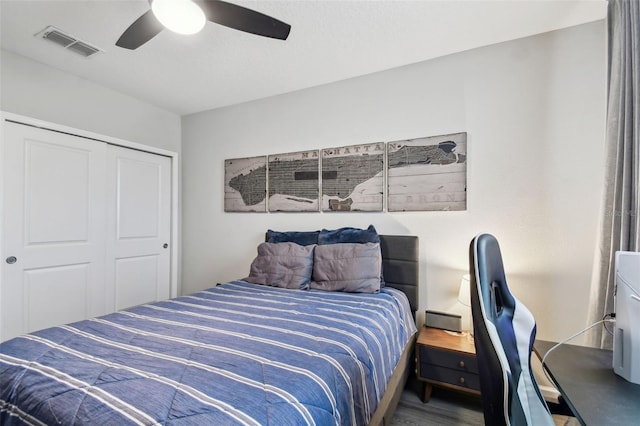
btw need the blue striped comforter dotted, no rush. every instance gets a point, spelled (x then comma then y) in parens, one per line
(238, 353)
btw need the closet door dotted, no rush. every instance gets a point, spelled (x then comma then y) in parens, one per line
(138, 227)
(53, 229)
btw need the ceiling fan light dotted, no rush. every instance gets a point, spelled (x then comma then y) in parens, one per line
(180, 16)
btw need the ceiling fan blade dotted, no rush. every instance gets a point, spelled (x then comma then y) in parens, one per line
(141, 31)
(243, 19)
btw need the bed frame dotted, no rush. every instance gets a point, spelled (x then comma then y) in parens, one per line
(400, 263)
(400, 270)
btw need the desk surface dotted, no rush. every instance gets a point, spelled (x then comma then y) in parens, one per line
(585, 377)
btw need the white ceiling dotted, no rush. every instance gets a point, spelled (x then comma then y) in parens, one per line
(330, 40)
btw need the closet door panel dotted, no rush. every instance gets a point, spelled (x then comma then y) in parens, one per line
(54, 216)
(137, 280)
(43, 289)
(139, 196)
(139, 230)
(47, 219)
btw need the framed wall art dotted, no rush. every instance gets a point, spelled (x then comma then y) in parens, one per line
(353, 178)
(427, 174)
(245, 184)
(294, 182)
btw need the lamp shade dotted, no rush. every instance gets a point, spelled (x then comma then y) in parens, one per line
(464, 293)
(180, 16)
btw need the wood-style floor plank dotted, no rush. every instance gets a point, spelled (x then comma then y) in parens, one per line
(445, 408)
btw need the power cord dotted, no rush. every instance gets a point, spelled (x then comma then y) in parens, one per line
(612, 315)
(604, 320)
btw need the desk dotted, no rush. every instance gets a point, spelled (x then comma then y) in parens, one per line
(585, 378)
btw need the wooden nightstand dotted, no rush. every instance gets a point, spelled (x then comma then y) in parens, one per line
(447, 360)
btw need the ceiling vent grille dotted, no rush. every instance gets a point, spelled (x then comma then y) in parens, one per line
(68, 41)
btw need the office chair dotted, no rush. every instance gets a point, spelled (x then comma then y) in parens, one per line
(504, 332)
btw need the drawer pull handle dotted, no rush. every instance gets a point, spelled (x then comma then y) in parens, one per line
(461, 364)
(461, 380)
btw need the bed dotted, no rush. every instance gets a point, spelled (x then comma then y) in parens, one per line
(238, 353)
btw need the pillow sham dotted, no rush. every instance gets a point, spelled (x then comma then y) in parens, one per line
(285, 265)
(349, 235)
(303, 238)
(349, 267)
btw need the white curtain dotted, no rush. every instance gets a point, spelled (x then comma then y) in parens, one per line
(620, 228)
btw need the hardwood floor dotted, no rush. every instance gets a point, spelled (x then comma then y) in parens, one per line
(444, 408)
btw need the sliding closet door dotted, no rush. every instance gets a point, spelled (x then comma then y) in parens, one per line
(53, 229)
(138, 227)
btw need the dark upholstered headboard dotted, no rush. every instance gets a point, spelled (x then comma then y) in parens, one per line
(400, 265)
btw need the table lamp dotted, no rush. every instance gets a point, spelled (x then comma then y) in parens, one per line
(464, 297)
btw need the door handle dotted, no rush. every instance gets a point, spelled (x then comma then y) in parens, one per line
(11, 260)
(165, 245)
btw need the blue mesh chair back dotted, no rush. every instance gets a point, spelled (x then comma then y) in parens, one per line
(504, 332)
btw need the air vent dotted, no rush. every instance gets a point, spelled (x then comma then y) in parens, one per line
(83, 48)
(68, 41)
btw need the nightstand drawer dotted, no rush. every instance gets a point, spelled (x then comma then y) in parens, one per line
(450, 376)
(430, 356)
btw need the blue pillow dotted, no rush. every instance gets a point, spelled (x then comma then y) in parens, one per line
(301, 238)
(349, 235)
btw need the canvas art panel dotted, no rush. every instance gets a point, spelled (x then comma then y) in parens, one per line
(245, 184)
(294, 182)
(427, 174)
(353, 178)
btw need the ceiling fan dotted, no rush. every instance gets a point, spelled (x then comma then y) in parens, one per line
(189, 16)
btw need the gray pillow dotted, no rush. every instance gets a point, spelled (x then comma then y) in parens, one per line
(349, 267)
(286, 265)
(351, 235)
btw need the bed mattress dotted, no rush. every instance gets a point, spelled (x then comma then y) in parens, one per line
(238, 353)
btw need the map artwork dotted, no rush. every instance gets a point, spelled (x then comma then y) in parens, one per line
(352, 178)
(294, 183)
(427, 174)
(245, 184)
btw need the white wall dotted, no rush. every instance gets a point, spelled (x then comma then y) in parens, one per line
(36, 90)
(534, 112)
